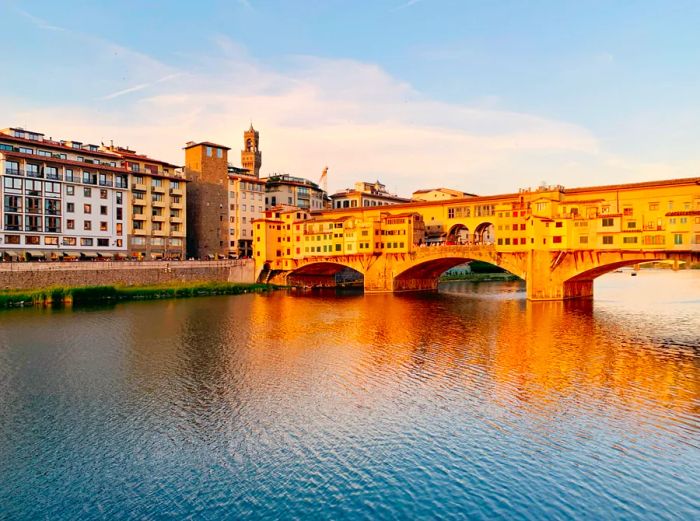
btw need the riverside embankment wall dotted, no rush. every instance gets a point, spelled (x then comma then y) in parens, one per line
(38, 275)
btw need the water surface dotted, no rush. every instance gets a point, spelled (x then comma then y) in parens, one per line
(470, 403)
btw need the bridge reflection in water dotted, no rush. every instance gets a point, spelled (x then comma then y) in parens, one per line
(360, 405)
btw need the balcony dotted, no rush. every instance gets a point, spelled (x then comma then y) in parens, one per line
(139, 231)
(55, 177)
(14, 171)
(36, 174)
(158, 218)
(176, 219)
(158, 204)
(176, 191)
(106, 183)
(157, 189)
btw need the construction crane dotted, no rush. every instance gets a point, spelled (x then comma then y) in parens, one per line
(323, 180)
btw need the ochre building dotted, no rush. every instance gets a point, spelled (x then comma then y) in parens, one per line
(557, 239)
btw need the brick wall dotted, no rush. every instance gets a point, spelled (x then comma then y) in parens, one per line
(36, 275)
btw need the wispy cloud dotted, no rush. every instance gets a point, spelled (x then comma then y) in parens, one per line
(353, 116)
(406, 5)
(140, 86)
(40, 22)
(246, 4)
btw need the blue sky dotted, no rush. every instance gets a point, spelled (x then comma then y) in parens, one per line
(485, 96)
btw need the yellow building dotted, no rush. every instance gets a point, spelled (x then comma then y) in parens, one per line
(438, 194)
(157, 202)
(557, 239)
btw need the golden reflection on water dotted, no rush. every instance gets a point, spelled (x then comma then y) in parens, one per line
(539, 353)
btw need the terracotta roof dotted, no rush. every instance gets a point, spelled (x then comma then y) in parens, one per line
(683, 213)
(53, 145)
(644, 184)
(206, 143)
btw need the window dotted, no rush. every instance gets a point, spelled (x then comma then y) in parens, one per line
(607, 239)
(87, 208)
(103, 242)
(32, 223)
(208, 151)
(33, 170)
(629, 240)
(103, 226)
(70, 224)
(653, 206)
(33, 239)
(12, 222)
(103, 210)
(11, 239)
(87, 192)
(52, 189)
(632, 225)
(103, 194)
(119, 214)
(87, 225)
(583, 239)
(556, 239)
(138, 225)
(52, 225)
(139, 194)
(70, 190)
(69, 241)
(608, 221)
(677, 238)
(69, 175)
(120, 228)
(119, 197)
(156, 182)
(219, 153)
(70, 207)
(86, 241)
(12, 183)
(13, 203)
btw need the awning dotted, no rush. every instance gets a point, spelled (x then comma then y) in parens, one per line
(89, 254)
(12, 254)
(105, 255)
(70, 254)
(210, 256)
(36, 254)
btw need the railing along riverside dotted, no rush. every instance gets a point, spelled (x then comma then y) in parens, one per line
(107, 265)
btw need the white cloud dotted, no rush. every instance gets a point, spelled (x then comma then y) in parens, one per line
(352, 116)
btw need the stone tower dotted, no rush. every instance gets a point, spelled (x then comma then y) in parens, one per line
(251, 158)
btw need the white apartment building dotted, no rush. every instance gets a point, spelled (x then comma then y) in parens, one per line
(285, 190)
(245, 202)
(61, 199)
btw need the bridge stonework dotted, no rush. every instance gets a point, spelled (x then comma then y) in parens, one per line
(557, 240)
(547, 275)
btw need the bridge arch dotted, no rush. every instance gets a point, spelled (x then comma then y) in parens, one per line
(459, 234)
(424, 273)
(484, 233)
(324, 273)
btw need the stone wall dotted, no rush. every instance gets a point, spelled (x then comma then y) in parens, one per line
(36, 275)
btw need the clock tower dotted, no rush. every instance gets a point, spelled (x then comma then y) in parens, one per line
(251, 158)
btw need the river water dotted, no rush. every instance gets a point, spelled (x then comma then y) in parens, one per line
(470, 403)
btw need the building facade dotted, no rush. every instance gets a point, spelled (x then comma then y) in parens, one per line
(246, 202)
(157, 226)
(296, 192)
(223, 200)
(61, 199)
(365, 194)
(438, 194)
(206, 169)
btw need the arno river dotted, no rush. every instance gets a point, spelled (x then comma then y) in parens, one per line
(470, 403)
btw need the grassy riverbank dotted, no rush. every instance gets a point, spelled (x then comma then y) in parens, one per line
(479, 277)
(97, 294)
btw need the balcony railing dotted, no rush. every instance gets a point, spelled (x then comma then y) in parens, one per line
(37, 174)
(105, 183)
(56, 177)
(14, 171)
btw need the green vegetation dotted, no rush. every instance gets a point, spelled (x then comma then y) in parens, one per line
(96, 294)
(480, 277)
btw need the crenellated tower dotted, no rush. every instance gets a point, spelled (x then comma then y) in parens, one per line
(251, 157)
